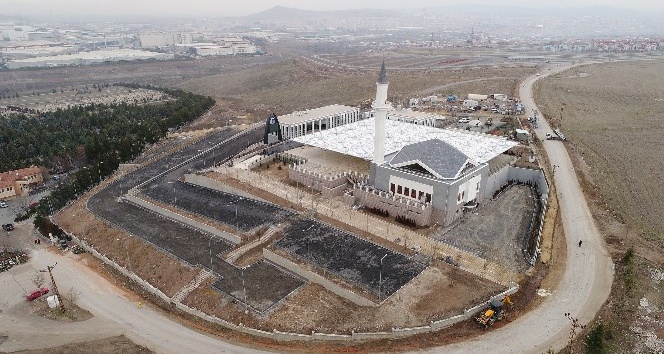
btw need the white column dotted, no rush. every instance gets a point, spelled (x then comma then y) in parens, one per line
(380, 106)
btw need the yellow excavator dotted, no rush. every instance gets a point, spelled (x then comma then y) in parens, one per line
(495, 312)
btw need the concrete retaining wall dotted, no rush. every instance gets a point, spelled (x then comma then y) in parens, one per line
(210, 183)
(315, 278)
(182, 219)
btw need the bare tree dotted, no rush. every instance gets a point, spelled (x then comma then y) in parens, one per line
(38, 279)
(72, 295)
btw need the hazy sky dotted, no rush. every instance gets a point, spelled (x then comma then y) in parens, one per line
(182, 8)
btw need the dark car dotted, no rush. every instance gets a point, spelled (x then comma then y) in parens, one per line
(8, 227)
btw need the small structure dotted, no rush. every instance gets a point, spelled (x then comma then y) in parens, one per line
(272, 130)
(470, 104)
(522, 135)
(19, 182)
(477, 97)
(499, 97)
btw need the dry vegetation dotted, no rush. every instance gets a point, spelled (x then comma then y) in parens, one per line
(612, 114)
(298, 84)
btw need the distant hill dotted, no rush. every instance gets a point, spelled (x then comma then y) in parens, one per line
(288, 14)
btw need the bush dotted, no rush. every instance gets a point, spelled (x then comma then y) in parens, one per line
(596, 341)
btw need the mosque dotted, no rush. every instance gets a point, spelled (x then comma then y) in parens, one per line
(398, 167)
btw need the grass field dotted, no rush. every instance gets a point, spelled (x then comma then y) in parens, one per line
(612, 114)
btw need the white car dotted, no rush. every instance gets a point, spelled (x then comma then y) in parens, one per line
(464, 120)
(3, 205)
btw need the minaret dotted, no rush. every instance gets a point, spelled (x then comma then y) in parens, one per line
(381, 106)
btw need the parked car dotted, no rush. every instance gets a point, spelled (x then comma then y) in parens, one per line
(464, 120)
(3, 205)
(36, 294)
(8, 227)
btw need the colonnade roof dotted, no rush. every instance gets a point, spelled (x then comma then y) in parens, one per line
(357, 139)
(314, 114)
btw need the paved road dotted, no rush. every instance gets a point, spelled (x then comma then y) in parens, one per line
(584, 287)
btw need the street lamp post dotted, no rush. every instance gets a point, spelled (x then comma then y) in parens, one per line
(211, 266)
(380, 277)
(127, 252)
(244, 289)
(100, 164)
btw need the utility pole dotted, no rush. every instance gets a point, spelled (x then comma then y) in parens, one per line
(55, 287)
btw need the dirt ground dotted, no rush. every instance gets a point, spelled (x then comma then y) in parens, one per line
(112, 345)
(298, 84)
(611, 114)
(438, 292)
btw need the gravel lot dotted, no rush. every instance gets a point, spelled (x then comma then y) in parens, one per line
(497, 231)
(262, 284)
(239, 213)
(353, 259)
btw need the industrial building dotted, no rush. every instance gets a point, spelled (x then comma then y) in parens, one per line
(87, 58)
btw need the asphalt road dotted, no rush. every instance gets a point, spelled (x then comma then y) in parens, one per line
(585, 286)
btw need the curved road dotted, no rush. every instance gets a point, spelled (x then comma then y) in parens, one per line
(583, 289)
(586, 282)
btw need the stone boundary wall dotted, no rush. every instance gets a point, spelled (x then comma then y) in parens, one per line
(333, 192)
(394, 205)
(182, 219)
(315, 278)
(263, 159)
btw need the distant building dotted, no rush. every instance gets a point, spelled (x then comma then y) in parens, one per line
(19, 182)
(240, 48)
(88, 58)
(156, 40)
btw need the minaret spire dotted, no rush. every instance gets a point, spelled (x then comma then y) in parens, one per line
(382, 77)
